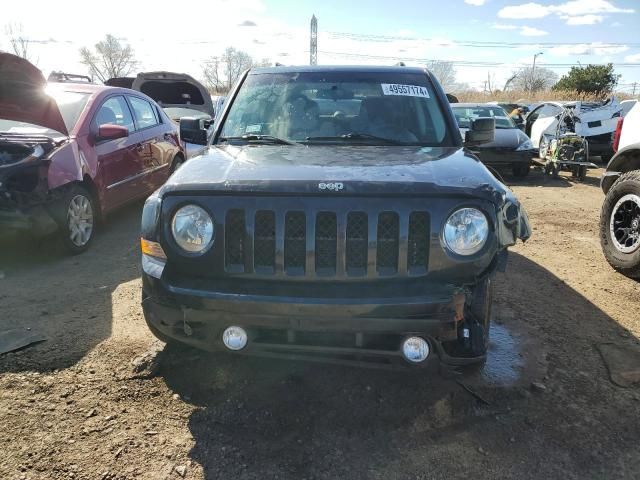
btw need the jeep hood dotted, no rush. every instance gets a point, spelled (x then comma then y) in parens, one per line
(348, 171)
(362, 170)
(22, 95)
(175, 91)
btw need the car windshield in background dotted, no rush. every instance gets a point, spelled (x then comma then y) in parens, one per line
(465, 115)
(338, 107)
(176, 113)
(70, 105)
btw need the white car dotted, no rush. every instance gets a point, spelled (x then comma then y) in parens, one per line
(627, 105)
(594, 121)
(620, 215)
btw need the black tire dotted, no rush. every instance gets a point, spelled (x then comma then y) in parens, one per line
(520, 170)
(624, 258)
(76, 231)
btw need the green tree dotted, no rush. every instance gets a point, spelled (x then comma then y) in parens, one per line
(597, 79)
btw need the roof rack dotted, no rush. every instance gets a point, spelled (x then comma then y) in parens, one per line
(62, 77)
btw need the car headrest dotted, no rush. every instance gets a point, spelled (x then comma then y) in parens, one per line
(105, 115)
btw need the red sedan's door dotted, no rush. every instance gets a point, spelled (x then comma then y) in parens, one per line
(153, 155)
(117, 159)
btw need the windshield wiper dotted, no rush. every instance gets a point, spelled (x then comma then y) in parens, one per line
(357, 136)
(258, 138)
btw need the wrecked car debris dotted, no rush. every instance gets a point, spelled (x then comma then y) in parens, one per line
(72, 152)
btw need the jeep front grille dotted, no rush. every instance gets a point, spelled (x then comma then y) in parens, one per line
(326, 244)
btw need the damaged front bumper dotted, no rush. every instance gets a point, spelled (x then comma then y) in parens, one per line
(24, 192)
(360, 331)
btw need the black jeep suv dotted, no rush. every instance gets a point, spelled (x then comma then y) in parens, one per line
(336, 216)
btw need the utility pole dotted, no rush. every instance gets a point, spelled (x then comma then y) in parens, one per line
(635, 84)
(313, 47)
(533, 71)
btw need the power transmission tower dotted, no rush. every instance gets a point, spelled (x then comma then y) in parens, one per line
(313, 49)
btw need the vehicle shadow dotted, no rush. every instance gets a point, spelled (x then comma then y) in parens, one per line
(274, 419)
(66, 299)
(537, 178)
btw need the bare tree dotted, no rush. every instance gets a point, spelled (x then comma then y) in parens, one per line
(220, 73)
(509, 81)
(19, 42)
(110, 59)
(444, 72)
(532, 81)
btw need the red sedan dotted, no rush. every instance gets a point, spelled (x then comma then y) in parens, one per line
(72, 153)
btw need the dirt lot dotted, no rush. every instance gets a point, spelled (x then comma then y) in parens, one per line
(73, 406)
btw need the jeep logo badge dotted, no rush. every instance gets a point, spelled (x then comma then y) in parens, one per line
(335, 186)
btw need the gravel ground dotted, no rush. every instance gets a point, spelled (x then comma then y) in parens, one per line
(78, 406)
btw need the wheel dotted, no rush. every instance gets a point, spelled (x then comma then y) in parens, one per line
(75, 214)
(543, 147)
(178, 161)
(620, 225)
(520, 170)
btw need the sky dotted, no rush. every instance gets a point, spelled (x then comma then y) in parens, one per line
(484, 38)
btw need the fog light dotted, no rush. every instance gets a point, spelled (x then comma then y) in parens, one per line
(415, 349)
(234, 338)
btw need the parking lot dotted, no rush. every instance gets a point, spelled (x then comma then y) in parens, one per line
(100, 399)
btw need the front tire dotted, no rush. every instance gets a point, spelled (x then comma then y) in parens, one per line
(620, 225)
(76, 215)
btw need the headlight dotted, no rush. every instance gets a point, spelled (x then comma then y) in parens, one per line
(192, 229)
(466, 231)
(526, 145)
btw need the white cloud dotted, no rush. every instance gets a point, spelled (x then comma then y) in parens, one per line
(526, 10)
(584, 20)
(595, 48)
(576, 8)
(635, 58)
(573, 8)
(475, 3)
(532, 32)
(502, 26)
(616, 24)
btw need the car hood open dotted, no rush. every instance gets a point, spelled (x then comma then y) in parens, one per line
(174, 90)
(22, 95)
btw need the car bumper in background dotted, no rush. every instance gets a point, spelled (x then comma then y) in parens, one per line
(505, 157)
(36, 220)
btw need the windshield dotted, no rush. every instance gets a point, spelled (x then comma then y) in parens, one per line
(70, 105)
(464, 116)
(338, 107)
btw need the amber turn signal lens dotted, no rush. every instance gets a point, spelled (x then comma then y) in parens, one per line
(152, 248)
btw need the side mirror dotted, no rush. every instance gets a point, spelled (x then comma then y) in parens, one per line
(482, 131)
(193, 130)
(522, 126)
(109, 131)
